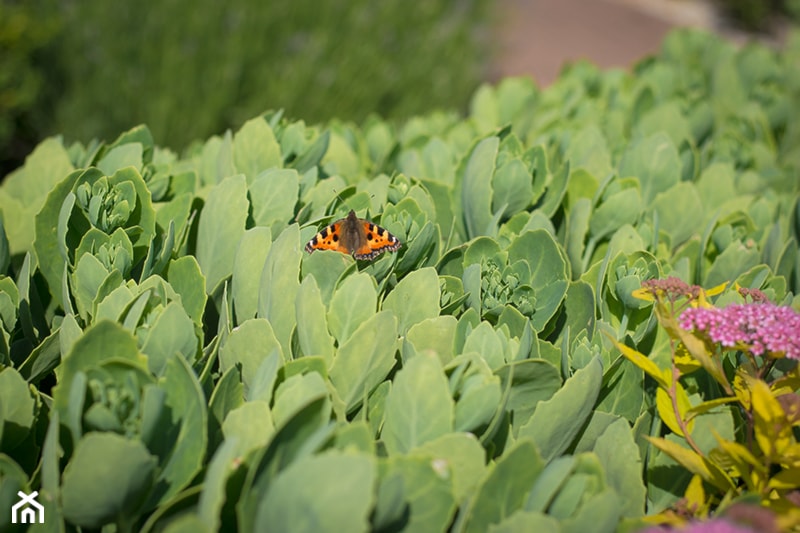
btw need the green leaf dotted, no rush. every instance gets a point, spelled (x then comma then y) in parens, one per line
(365, 359)
(183, 522)
(680, 212)
(185, 277)
(227, 395)
(302, 435)
(121, 156)
(619, 455)
(476, 191)
(599, 512)
(426, 502)
(619, 209)
(526, 521)
(339, 499)
(106, 480)
(17, 409)
(340, 159)
(171, 333)
(464, 457)
(486, 342)
(188, 425)
(247, 346)
(735, 260)
(557, 421)
(101, 341)
(313, 154)
(415, 298)
(668, 118)
(28, 188)
(177, 211)
(353, 302)
(279, 285)
(44, 358)
(419, 407)
(250, 425)
(512, 187)
(262, 386)
(219, 470)
(579, 213)
(483, 108)
(478, 399)
(87, 279)
(327, 268)
(655, 162)
(221, 226)
(12, 479)
(255, 148)
(504, 489)
(436, 334)
(51, 456)
(549, 482)
(548, 272)
(251, 254)
(297, 392)
(312, 325)
(273, 194)
(579, 305)
(50, 243)
(623, 393)
(588, 150)
(531, 381)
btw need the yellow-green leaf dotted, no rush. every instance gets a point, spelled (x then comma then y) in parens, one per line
(696, 496)
(695, 463)
(787, 479)
(705, 407)
(667, 412)
(684, 360)
(640, 360)
(697, 348)
(773, 432)
(733, 456)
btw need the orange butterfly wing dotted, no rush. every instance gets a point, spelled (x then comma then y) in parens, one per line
(330, 238)
(378, 240)
(356, 236)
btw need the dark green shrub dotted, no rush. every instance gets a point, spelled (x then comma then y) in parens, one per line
(189, 69)
(25, 31)
(757, 14)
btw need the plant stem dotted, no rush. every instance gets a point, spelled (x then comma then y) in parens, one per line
(673, 395)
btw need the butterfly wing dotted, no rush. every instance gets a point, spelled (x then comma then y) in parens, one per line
(330, 238)
(377, 240)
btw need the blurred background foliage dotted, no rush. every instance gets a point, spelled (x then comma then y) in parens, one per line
(27, 32)
(191, 68)
(757, 15)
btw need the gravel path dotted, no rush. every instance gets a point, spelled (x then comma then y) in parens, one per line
(538, 36)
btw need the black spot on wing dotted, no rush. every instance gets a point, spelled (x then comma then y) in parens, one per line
(375, 253)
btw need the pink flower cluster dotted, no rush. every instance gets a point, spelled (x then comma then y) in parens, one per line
(673, 288)
(710, 526)
(762, 327)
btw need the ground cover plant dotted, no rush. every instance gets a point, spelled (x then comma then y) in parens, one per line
(591, 324)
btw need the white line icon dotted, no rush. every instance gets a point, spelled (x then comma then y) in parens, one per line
(27, 515)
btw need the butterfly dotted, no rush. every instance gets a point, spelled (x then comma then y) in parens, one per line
(355, 236)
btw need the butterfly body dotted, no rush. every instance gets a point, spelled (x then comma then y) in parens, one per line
(355, 236)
